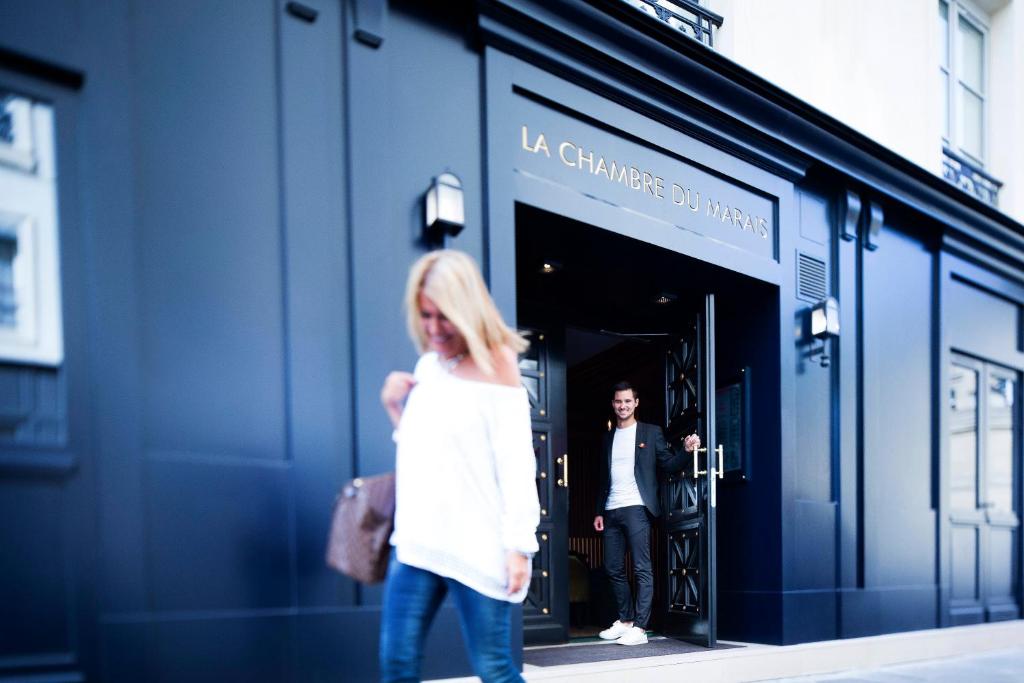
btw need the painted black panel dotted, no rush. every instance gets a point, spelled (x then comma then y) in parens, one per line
(809, 615)
(1002, 564)
(338, 645)
(209, 228)
(816, 523)
(899, 550)
(34, 588)
(749, 565)
(964, 552)
(979, 322)
(406, 127)
(815, 224)
(319, 360)
(44, 28)
(812, 452)
(750, 616)
(869, 612)
(240, 649)
(218, 536)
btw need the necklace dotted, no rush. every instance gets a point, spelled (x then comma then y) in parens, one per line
(451, 363)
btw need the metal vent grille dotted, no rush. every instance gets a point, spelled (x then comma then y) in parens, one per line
(811, 279)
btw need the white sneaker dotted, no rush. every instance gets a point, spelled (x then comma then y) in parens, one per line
(633, 636)
(614, 632)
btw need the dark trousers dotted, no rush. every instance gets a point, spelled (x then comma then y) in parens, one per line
(629, 527)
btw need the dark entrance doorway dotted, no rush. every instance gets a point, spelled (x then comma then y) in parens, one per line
(602, 307)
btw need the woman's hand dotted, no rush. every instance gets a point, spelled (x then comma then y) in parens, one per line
(396, 389)
(518, 566)
(691, 443)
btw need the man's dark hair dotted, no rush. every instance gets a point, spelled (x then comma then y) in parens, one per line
(625, 386)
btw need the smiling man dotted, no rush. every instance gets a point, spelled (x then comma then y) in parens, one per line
(626, 504)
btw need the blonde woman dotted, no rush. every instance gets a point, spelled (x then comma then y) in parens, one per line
(466, 503)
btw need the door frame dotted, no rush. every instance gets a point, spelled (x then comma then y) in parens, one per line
(506, 185)
(950, 267)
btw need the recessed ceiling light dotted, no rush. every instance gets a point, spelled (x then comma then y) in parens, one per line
(550, 266)
(664, 298)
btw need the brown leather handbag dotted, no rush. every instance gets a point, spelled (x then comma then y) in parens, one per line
(364, 515)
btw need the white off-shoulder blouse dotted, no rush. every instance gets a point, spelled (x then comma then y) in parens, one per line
(465, 479)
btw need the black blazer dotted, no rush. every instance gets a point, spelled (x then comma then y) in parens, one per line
(652, 453)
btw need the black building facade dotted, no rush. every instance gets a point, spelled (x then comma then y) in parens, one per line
(239, 193)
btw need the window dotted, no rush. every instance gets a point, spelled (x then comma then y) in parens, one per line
(30, 314)
(963, 73)
(963, 446)
(984, 422)
(1002, 390)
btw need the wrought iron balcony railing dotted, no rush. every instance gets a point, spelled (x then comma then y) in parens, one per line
(969, 178)
(685, 15)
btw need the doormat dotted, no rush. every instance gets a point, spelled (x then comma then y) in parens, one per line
(557, 655)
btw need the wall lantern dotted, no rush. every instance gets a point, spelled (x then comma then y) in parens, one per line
(445, 214)
(824, 326)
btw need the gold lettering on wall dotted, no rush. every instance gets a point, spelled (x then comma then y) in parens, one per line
(539, 145)
(574, 155)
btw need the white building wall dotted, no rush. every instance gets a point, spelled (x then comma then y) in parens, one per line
(874, 65)
(1006, 148)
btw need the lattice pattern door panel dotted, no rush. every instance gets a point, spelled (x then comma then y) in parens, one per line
(681, 387)
(684, 570)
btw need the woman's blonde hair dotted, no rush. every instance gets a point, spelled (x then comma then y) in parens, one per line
(452, 280)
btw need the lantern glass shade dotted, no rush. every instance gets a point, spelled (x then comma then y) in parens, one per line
(444, 204)
(825, 318)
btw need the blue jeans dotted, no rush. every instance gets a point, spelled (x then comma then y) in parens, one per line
(411, 599)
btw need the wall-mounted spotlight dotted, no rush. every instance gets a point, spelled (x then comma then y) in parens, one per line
(824, 326)
(444, 210)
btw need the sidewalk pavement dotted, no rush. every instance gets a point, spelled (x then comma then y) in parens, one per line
(1001, 666)
(984, 653)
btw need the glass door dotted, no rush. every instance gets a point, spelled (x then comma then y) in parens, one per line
(983, 492)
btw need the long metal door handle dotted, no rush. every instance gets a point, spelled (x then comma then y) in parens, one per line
(564, 462)
(721, 461)
(697, 472)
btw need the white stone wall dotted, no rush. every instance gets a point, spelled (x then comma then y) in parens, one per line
(1006, 110)
(874, 65)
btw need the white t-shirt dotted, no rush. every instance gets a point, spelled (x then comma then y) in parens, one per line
(465, 489)
(623, 490)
